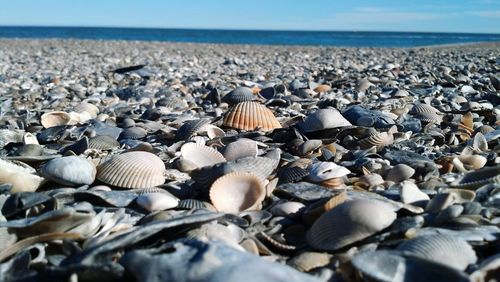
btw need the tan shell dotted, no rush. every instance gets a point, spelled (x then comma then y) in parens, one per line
(201, 155)
(136, 169)
(310, 260)
(472, 162)
(324, 119)
(21, 176)
(314, 211)
(400, 172)
(249, 116)
(322, 88)
(237, 191)
(58, 118)
(348, 223)
(461, 195)
(378, 140)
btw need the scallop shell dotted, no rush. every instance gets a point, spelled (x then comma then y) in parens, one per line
(348, 223)
(400, 172)
(240, 148)
(323, 119)
(249, 116)
(478, 178)
(189, 204)
(136, 169)
(422, 108)
(201, 155)
(190, 128)
(236, 192)
(103, 142)
(378, 140)
(429, 117)
(21, 176)
(446, 249)
(238, 95)
(321, 171)
(70, 171)
(58, 118)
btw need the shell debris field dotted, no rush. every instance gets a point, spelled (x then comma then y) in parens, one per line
(149, 161)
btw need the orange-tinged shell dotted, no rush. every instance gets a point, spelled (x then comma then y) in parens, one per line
(322, 88)
(237, 191)
(135, 169)
(249, 116)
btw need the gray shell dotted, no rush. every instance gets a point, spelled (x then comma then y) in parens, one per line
(70, 170)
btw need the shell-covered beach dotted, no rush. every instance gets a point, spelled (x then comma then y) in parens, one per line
(157, 161)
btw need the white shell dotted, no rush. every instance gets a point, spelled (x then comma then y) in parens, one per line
(157, 201)
(287, 209)
(410, 193)
(201, 155)
(324, 119)
(58, 118)
(321, 171)
(400, 172)
(22, 177)
(70, 170)
(240, 148)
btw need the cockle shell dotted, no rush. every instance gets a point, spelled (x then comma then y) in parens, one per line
(22, 177)
(103, 142)
(135, 169)
(240, 148)
(238, 95)
(237, 191)
(309, 260)
(323, 119)
(70, 170)
(190, 128)
(201, 155)
(287, 209)
(348, 223)
(378, 140)
(249, 116)
(58, 118)
(446, 249)
(321, 171)
(88, 108)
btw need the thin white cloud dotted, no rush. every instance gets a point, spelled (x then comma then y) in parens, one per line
(486, 14)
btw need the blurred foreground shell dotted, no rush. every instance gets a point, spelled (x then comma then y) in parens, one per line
(70, 170)
(21, 176)
(236, 192)
(249, 116)
(136, 169)
(348, 223)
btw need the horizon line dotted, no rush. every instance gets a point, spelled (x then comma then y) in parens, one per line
(241, 29)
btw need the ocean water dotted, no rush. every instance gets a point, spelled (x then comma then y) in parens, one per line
(316, 38)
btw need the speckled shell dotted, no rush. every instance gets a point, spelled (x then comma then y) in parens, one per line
(70, 170)
(238, 95)
(57, 118)
(348, 223)
(378, 140)
(103, 142)
(21, 176)
(446, 249)
(323, 119)
(136, 169)
(478, 178)
(201, 155)
(249, 116)
(236, 192)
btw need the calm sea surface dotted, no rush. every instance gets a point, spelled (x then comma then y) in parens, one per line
(326, 38)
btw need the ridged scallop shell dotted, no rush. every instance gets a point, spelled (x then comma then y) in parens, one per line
(378, 140)
(189, 204)
(446, 249)
(323, 119)
(70, 170)
(429, 117)
(21, 176)
(133, 132)
(348, 223)
(136, 169)
(478, 178)
(201, 155)
(190, 128)
(400, 172)
(236, 192)
(249, 116)
(103, 142)
(238, 95)
(58, 118)
(321, 171)
(240, 148)
(422, 108)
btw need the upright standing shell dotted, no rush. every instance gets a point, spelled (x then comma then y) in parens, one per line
(446, 249)
(400, 172)
(323, 119)
(378, 140)
(348, 223)
(70, 170)
(249, 116)
(137, 169)
(237, 191)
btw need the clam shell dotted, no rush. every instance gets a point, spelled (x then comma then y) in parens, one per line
(461, 195)
(249, 116)
(322, 88)
(472, 162)
(240, 148)
(348, 223)
(323, 119)
(378, 140)
(446, 249)
(136, 169)
(21, 176)
(400, 172)
(157, 201)
(29, 139)
(321, 171)
(287, 209)
(236, 192)
(201, 155)
(86, 107)
(58, 118)
(478, 178)
(70, 171)
(238, 95)
(103, 142)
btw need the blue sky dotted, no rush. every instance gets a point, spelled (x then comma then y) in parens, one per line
(384, 15)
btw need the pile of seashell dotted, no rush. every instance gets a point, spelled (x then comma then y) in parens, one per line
(254, 163)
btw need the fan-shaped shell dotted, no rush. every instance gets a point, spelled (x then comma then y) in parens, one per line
(478, 178)
(238, 95)
(103, 142)
(378, 140)
(190, 128)
(400, 172)
(410, 193)
(324, 119)
(70, 170)
(236, 192)
(21, 176)
(86, 107)
(423, 108)
(429, 117)
(201, 155)
(240, 148)
(446, 249)
(321, 171)
(249, 116)
(57, 118)
(348, 223)
(135, 169)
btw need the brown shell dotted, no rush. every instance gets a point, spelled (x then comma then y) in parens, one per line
(237, 191)
(136, 169)
(322, 88)
(249, 116)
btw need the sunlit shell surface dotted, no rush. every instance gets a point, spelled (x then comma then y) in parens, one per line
(400, 172)
(249, 116)
(136, 169)
(201, 155)
(57, 118)
(324, 119)
(321, 171)
(240, 148)
(378, 140)
(157, 201)
(22, 177)
(348, 223)
(70, 170)
(236, 192)
(446, 249)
